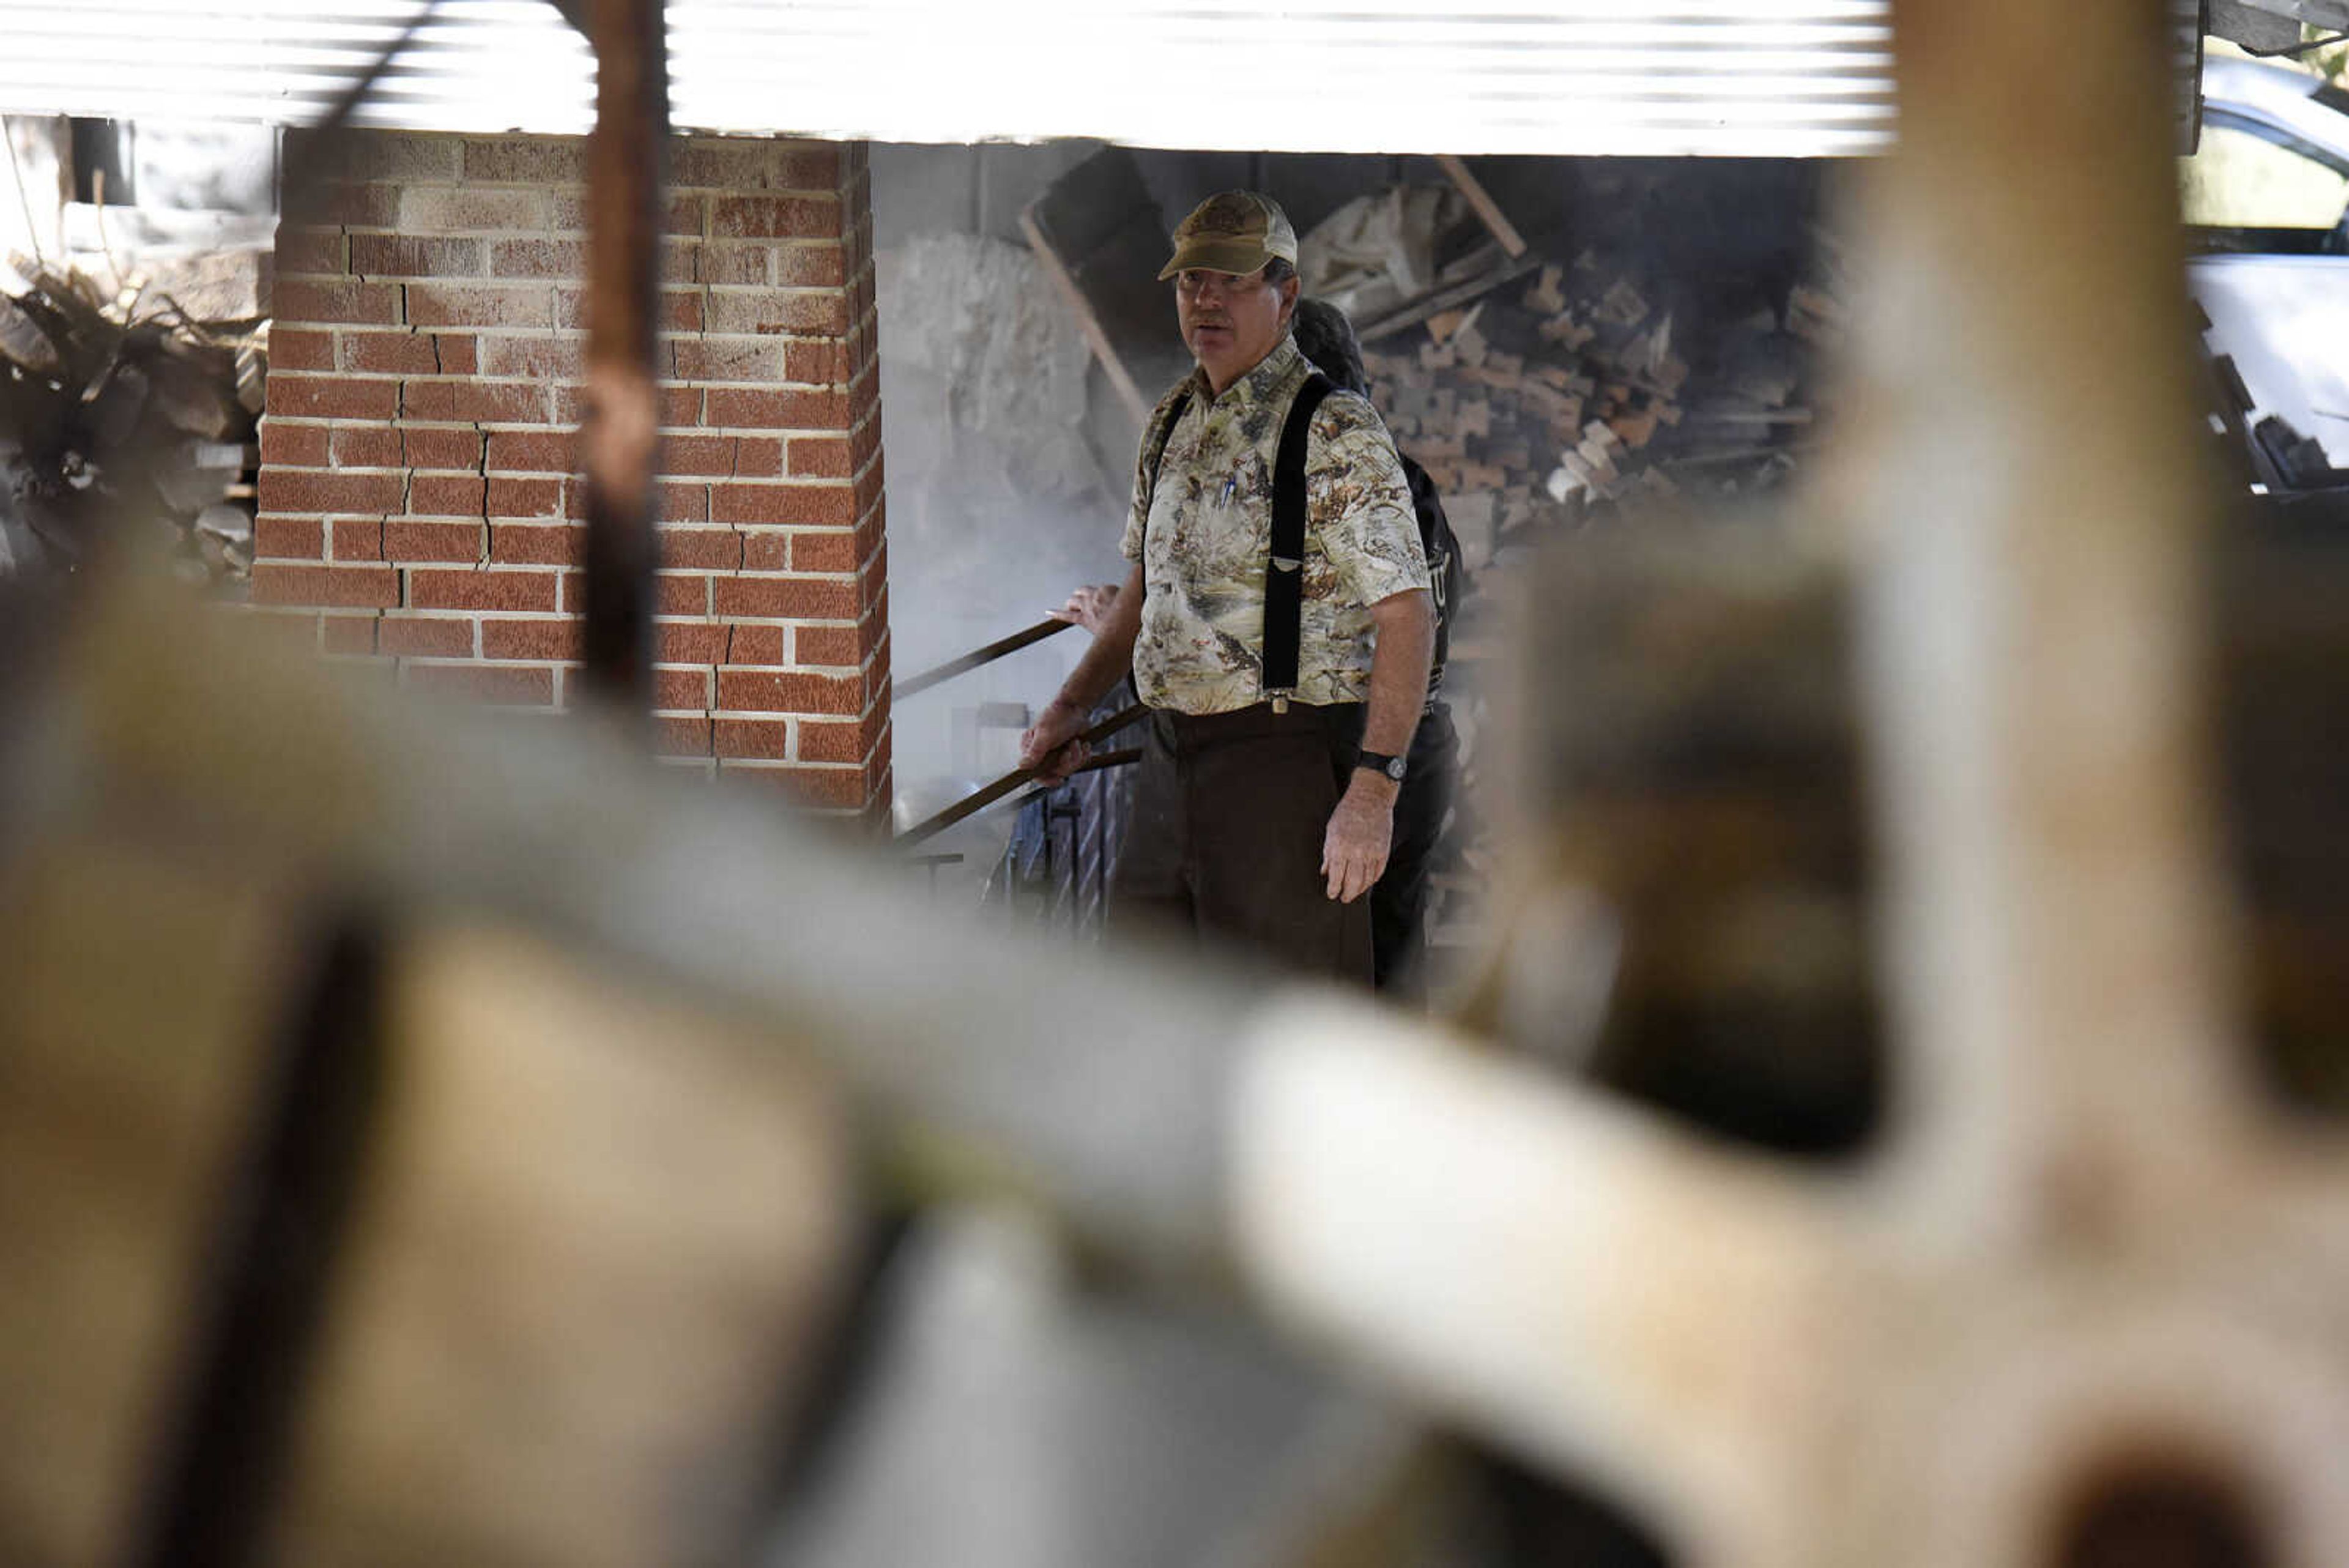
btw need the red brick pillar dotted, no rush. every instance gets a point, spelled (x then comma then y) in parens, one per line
(419, 498)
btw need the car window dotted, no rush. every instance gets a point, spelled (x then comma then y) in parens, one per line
(2246, 175)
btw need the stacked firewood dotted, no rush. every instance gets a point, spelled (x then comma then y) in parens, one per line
(1688, 771)
(1691, 765)
(2280, 575)
(1551, 399)
(118, 411)
(1579, 390)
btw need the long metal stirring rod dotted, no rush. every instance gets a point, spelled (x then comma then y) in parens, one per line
(992, 793)
(987, 655)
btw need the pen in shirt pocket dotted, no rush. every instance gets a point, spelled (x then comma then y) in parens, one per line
(1231, 487)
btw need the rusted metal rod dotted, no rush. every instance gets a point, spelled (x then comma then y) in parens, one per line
(620, 440)
(976, 657)
(1123, 757)
(1116, 759)
(988, 796)
(1092, 765)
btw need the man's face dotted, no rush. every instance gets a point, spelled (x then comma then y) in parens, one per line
(1230, 322)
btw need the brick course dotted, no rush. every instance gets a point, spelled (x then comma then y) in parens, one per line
(419, 452)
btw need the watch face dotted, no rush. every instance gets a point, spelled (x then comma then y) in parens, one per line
(1394, 769)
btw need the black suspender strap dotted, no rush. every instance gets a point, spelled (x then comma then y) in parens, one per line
(1284, 576)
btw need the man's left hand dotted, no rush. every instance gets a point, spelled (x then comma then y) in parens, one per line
(1362, 830)
(1089, 607)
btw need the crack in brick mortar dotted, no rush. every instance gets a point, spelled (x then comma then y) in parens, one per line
(406, 478)
(482, 443)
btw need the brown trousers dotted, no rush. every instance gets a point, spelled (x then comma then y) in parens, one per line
(1223, 845)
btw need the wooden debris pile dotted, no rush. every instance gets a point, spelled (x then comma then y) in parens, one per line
(1692, 763)
(2278, 575)
(1705, 792)
(122, 412)
(1572, 393)
(1584, 383)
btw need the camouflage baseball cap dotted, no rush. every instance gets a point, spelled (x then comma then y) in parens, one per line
(1234, 231)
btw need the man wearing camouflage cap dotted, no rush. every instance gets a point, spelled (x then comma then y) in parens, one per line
(1261, 815)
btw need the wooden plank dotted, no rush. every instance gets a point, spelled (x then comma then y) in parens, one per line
(1087, 321)
(1444, 300)
(1480, 200)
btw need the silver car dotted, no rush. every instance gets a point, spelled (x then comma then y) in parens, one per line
(2267, 201)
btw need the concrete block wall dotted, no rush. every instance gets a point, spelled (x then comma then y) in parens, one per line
(420, 502)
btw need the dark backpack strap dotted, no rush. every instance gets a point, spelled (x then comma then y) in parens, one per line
(1157, 458)
(1284, 576)
(1447, 574)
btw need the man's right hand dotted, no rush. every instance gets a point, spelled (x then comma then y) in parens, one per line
(1049, 746)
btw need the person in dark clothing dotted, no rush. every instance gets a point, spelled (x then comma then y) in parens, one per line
(1399, 900)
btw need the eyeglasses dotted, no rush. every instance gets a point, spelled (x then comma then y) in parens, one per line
(1193, 282)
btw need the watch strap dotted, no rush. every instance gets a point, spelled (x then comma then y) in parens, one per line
(1379, 762)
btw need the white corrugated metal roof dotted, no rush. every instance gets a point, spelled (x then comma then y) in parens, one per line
(479, 64)
(1374, 76)
(1714, 77)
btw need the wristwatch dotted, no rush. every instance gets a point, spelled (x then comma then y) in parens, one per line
(1379, 761)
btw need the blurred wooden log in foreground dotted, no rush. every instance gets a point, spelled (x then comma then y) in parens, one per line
(593, 1240)
(598, 1227)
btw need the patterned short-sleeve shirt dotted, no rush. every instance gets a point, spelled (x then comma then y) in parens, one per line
(1204, 538)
